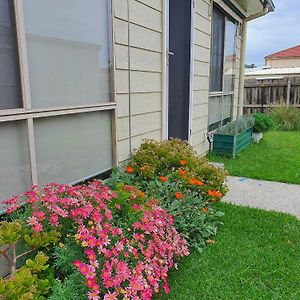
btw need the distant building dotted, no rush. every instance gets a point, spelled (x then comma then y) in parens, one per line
(286, 58)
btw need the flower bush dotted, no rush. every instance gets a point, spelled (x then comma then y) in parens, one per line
(121, 243)
(185, 184)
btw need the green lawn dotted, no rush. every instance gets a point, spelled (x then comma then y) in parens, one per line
(256, 256)
(276, 158)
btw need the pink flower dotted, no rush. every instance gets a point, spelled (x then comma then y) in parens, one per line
(53, 220)
(135, 207)
(118, 206)
(32, 221)
(90, 254)
(83, 269)
(111, 296)
(94, 295)
(37, 228)
(39, 215)
(76, 263)
(166, 288)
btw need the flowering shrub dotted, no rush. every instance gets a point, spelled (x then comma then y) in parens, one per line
(185, 184)
(125, 244)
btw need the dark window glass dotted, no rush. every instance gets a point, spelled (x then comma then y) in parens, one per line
(217, 50)
(10, 93)
(229, 55)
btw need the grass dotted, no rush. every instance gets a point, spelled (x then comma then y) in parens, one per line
(275, 158)
(256, 256)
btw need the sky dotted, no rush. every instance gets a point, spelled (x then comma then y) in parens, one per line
(274, 32)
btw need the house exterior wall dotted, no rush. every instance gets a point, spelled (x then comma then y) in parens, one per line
(282, 62)
(202, 40)
(142, 86)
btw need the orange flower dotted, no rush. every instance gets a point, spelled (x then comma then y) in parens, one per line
(210, 193)
(143, 168)
(192, 181)
(178, 195)
(203, 209)
(218, 194)
(181, 172)
(214, 193)
(139, 193)
(163, 178)
(199, 182)
(129, 169)
(182, 162)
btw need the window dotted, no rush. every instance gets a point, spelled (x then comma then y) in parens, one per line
(68, 52)
(55, 66)
(10, 90)
(222, 73)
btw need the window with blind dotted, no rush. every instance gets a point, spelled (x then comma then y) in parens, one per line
(55, 64)
(222, 71)
(10, 88)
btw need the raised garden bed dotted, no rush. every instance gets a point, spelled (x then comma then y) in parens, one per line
(230, 145)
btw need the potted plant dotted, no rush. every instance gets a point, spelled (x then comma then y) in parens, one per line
(233, 137)
(262, 123)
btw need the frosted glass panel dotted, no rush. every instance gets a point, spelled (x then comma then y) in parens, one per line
(73, 147)
(14, 159)
(214, 110)
(10, 91)
(227, 107)
(68, 53)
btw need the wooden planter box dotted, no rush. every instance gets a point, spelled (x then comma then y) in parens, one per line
(230, 145)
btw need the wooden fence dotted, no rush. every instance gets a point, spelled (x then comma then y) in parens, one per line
(262, 95)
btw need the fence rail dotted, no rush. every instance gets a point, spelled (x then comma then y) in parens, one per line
(263, 95)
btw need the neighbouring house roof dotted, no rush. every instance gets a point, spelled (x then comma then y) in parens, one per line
(272, 72)
(290, 52)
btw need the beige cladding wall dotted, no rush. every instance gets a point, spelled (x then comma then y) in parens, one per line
(146, 72)
(282, 62)
(146, 35)
(202, 37)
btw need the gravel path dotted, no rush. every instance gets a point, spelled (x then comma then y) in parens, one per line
(263, 194)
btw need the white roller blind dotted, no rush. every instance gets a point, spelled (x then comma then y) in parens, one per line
(14, 160)
(68, 53)
(70, 148)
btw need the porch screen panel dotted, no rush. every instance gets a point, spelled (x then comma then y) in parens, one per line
(217, 51)
(14, 159)
(70, 148)
(10, 89)
(68, 51)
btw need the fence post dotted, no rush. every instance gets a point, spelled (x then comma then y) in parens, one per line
(288, 95)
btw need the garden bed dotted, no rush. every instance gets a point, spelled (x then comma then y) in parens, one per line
(231, 145)
(112, 240)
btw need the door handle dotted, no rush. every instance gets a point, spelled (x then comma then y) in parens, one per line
(171, 53)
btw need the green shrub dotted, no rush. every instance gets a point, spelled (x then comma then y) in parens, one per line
(185, 184)
(286, 119)
(262, 123)
(237, 126)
